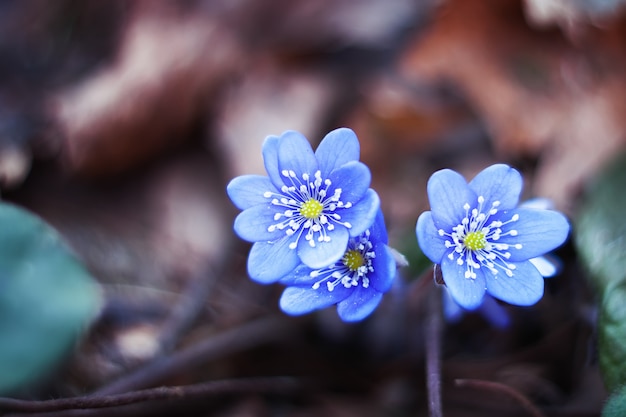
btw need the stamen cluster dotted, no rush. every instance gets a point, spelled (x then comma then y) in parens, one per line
(475, 240)
(305, 207)
(352, 269)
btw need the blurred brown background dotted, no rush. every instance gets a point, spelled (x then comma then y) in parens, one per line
(122, 121)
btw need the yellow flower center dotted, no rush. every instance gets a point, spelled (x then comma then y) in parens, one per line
(311, 209)
(475, 240)
(353, 259)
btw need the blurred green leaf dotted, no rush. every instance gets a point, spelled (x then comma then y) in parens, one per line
(601, 229)
(601, 243)
(616, 405)
(612, 336)
(47, 298)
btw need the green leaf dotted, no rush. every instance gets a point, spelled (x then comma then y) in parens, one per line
(612, 336)
(601, 244)
(616, 405)
(47, 299)
(601, 229)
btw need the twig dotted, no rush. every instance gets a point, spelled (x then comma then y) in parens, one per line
(193, 300)
(433, 352)
(504, 389)
(231, 386)
(228, 386)
(230, 341)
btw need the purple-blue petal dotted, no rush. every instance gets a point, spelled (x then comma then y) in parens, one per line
(360, 304)
(268, 262)
(428, 239)
(324, 254)
(353, 178)
(362, 214)
(295, 154)
(301, 300)
(384, 269)
(538, 231)
(448, 192)
(467, 292)
(378, 230)
(524, 288)
(337, 148)
(252, 224)
(246, 191)
(451, 310)
(494, 313)
(500, 183)
(300, 276)
(270, 160)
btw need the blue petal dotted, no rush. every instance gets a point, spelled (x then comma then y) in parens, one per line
(498, 183)
(448, 193)
(300, 276)
(270, 159)
(428, 238)
(524, 288)
(359, 305)
(385, 269)
(300, 300)
(378, 230)
(361, 215)
(338, 147)
(252, 223)
(353, 178)
(295, 154)
(324, 254)
(247, 190)
(538, 231)
(467, 292)
(494, 313)
(548, 266)
(451, 310)
(270, 261)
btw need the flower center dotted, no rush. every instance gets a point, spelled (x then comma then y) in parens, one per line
(352, 269)
(307, 207)
(311, 209)
(353, 259)
(475, 240)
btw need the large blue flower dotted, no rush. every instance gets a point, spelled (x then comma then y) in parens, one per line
(307, 208)
(356, 282)
(483, 241)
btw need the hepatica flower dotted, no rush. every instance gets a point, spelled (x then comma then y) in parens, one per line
(307, 208)
(483, 241)
(355, 282)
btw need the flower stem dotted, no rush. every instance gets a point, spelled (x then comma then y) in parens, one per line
(433, 352)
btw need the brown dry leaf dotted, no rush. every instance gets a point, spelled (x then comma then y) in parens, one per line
(268, 101)
(539, 95)
(573, 16)
(169, 62)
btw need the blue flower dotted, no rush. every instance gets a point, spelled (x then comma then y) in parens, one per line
(308, 206)
(483, 241)
(356, 282)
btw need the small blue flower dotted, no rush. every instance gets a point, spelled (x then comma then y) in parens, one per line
(483, 241)
(356, 282)
(307, 208)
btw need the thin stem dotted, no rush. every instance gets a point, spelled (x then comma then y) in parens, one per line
(230, 386)
(433, 352)
(231, 341)
(503, 389)
(194, 299)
